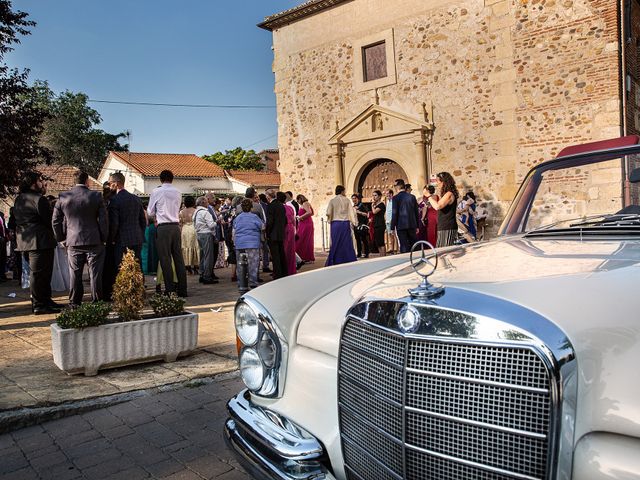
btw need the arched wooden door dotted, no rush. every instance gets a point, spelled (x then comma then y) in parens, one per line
(379, 175)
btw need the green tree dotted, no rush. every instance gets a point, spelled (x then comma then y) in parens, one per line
(236, 159)
(70, 132)
(21, 115)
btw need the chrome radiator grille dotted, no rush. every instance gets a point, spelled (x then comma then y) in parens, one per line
(429, 409)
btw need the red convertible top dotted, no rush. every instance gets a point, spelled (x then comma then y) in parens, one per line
(600, 145)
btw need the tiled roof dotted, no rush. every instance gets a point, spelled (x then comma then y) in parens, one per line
(60, 178)
(306, 9)
(256, 178)
(181, 164)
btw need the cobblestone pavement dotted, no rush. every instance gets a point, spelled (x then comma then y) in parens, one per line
(174, 435)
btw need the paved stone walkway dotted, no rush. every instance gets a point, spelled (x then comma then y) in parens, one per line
(29, 378)
(172, 435)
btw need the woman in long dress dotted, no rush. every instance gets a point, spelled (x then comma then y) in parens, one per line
(422, 209)
(304, 241)
(190, 249)
(290, 238)
(150, 262)
(342, 218)
(432, 218)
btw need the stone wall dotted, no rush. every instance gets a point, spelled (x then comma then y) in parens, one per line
(511, 82)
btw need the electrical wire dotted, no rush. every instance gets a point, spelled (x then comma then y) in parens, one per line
(185, 105)
(263, 140)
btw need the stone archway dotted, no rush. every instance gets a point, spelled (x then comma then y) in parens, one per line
(379, 133)
(380, 174)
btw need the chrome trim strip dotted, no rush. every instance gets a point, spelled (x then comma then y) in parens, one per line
(404, 403)
(472, 464)
(500, 428)
(508, 386)
(372, 458)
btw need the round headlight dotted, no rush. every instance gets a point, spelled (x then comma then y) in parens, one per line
(267, 350)
(247, 324)
(251, 369)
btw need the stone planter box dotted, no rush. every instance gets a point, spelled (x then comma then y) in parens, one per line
(90, 349)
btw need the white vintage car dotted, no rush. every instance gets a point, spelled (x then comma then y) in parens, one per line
(514, 359)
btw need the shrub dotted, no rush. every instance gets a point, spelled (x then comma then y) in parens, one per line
(167, 305)
(86, 315)
(128, 291)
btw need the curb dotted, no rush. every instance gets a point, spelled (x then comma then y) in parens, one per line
(27, 416)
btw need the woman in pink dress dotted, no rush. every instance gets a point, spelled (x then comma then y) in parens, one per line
(304, 242)
(290, 238)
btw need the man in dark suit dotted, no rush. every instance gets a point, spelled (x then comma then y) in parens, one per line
(405, 216)
(127, 221)
(80, 221)
(34, 236)
(276, 223)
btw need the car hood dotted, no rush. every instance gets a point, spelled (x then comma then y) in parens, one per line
(587, 288)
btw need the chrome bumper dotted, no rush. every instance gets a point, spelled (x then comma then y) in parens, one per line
(271, 446)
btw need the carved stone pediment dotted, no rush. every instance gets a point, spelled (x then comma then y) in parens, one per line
(378, 122)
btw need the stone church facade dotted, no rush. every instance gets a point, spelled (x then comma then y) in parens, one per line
(370, 90)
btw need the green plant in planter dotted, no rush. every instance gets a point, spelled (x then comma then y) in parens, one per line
(86, 315)
(128, 291)
(167, 305)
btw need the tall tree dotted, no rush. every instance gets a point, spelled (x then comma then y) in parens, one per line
(70, 132)
(21, 115)
(236, 159)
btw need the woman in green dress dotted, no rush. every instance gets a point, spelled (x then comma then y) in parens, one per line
(149, 251)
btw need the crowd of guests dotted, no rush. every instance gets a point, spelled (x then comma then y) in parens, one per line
(273, 229)
(439, 217)
(53, 239)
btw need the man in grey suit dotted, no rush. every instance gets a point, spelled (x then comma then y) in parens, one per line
(80, 221)
(127, 221)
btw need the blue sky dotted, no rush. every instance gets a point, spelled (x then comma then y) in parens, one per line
(189, 52)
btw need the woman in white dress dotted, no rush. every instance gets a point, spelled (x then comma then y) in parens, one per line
(190, 249)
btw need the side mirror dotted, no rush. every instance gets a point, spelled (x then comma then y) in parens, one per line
(635, 175)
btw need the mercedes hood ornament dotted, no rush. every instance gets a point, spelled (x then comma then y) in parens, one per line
(424, 261)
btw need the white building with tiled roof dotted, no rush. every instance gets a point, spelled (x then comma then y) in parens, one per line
(192, 174)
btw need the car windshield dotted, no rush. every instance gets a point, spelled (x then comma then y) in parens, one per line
(578, 192)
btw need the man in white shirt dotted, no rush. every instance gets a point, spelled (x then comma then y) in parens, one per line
(164, 205)
(205, 227)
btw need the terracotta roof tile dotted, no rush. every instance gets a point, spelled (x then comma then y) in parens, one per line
(181, 164)
(310, 7)
(61, 178)
(257, 178)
